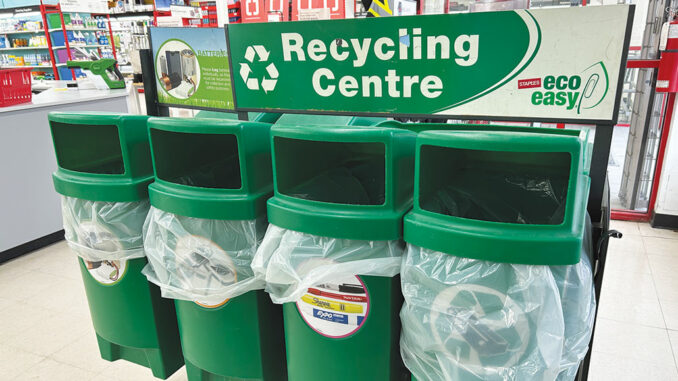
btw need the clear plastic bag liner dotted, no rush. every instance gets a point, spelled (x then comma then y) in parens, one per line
(578, 300)
(199, 259)
(465, 319)
(522, 199)
(102, 230)
(290, 262)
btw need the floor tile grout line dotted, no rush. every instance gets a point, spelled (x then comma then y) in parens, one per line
(635, 359)
(631, 358)
(633, 323)
(73, 365)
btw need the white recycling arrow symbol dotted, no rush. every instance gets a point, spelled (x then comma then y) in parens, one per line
(267, 82)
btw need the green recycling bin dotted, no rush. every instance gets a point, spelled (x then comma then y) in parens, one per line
(207, 217)
(494, 280)
(104, 168)
(333, 248)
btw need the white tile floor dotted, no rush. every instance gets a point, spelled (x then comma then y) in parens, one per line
(45, 328)
(46, 334)
(637, 334)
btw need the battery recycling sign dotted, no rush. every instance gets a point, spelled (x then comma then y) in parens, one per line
(551, 63)
(192, 67)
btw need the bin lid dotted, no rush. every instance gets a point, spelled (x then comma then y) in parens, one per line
(101, 156)
(210, 168)
(503, 196)
(341, 181)
(583, 133)
(264, 117)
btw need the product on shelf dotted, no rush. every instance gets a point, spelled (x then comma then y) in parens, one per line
(11, 25)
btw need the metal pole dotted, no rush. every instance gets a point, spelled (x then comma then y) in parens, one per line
(599, 160)
(150, 89)
(242, 115)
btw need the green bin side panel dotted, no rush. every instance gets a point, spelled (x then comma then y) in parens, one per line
(241, 340)
(371, 354)
(133, 322)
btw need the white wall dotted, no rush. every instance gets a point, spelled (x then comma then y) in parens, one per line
(639, 18)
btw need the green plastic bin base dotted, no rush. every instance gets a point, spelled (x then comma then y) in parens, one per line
(150, 357)
(133, 322)
(240, 340)
(370, 354)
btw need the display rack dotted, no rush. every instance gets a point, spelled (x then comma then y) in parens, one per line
(130, 35)
(66, 31)
(54, 28)
(43, 50)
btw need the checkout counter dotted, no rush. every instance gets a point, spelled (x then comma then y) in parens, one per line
(30, 214)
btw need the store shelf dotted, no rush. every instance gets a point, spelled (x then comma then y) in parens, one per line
(86, 29)
(24, 48)
(82, 46)
(27, 66)
(139, 13)
(79, 29)
(24, 32)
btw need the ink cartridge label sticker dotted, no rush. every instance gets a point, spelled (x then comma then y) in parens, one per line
(335, 309)
(107, 272)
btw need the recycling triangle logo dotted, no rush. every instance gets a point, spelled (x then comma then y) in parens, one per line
(267, 82)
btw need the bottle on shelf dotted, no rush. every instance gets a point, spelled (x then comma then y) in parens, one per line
(76, 21)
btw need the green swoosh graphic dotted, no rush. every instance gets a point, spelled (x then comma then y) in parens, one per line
(607, 82)
(495, 87)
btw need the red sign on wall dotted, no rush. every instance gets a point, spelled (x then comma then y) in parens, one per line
(253, 11)
(278, 10)
(337, 7)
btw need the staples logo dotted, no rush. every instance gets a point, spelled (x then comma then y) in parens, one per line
(574, 92)
(529, 83)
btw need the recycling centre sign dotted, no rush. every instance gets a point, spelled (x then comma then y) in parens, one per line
(546, 64)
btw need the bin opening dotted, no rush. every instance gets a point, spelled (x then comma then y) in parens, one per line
(88, 148)
(497, 186)
(336, 172)
(198, 160)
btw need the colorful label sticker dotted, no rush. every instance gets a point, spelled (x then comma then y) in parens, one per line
(335, 309)
(107, 272)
